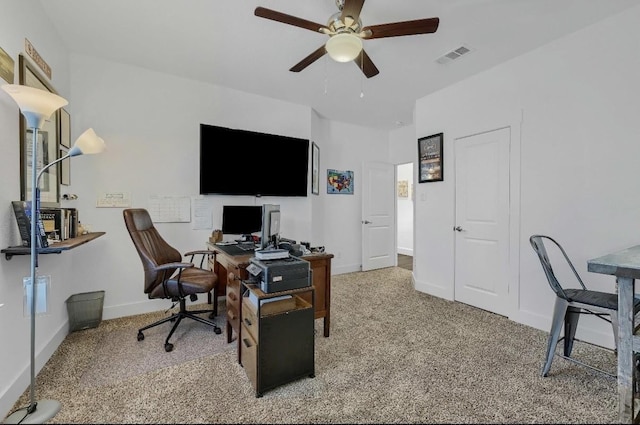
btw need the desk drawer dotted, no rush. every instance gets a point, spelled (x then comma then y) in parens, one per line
(250, 319)
(233, 294)
(249, 356)
(233, 304)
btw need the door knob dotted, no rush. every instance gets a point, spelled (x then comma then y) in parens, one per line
(458, 229)
(366, 222)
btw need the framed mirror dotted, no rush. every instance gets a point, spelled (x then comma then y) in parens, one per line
(47, 147)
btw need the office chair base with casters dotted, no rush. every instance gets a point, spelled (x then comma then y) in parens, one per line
(177, 318)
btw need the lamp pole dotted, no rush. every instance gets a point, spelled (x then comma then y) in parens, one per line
(37, 106)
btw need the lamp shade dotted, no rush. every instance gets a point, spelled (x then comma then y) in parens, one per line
(35, 104)
(88, 143)
(344, 47)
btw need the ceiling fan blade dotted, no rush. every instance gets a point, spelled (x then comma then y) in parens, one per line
(351, 8)
(320, 52)
(395, 29)
(365, 63)
(263, 12)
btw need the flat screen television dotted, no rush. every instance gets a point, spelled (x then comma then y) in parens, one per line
(241, 162)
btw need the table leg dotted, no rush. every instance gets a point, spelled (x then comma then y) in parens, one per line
(626, 292)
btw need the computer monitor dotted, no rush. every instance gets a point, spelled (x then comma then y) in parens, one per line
(270, 226)
(241, 220)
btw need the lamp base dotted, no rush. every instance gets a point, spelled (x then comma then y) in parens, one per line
(45, 410)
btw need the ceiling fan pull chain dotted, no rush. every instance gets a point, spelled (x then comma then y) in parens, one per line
(362, 76)
(326, 78)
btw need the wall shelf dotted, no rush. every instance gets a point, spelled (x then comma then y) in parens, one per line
(56, 248)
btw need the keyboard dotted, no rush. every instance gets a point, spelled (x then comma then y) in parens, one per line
(246, 246)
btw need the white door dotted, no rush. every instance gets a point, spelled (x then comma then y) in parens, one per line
(482, 220)
(378, 216)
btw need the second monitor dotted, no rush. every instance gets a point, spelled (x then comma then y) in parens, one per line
(270, 234)
(241, 220)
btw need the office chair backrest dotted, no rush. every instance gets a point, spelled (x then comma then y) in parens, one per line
(537, 242)
(151, 247)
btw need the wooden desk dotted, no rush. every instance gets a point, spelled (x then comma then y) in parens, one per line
(231, 270)
(625, 266)
(320, 265)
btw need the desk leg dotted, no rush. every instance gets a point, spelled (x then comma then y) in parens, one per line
(625, 349)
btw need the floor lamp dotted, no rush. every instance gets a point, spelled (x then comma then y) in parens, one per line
(37, 106)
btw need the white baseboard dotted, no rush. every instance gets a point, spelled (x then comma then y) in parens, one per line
(434, 290)
(405, 251)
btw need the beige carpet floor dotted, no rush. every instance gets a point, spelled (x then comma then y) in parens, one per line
(394, 356)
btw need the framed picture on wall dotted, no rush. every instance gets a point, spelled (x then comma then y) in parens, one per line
(65, 128)
(65, 169)
(430, 156)
(315, 169)
(340, 182)
(46, 144)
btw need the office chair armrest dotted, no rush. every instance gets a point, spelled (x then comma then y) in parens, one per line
(205, 253)
(175, 266)
(202, 252)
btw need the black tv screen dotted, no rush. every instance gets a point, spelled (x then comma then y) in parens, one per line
(242, 162)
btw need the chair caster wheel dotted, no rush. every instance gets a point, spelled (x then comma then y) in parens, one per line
(217, 331)
(140, 336)
(168, 347)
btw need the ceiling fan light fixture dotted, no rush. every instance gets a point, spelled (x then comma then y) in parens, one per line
(344, 47)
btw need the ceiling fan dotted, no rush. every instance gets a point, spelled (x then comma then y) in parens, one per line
(346, 33)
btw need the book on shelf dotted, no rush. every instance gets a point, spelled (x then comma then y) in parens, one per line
(22, 211)
(60, 224)
(53, 222)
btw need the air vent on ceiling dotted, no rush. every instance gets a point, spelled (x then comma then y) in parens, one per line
(453, 54)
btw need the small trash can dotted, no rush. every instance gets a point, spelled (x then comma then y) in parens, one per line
(85, 310)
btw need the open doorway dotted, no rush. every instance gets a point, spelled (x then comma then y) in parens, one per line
(404, 215)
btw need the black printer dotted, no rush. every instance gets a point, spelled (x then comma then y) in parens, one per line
(281, 274)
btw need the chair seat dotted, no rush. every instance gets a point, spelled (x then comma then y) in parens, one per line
(596, 298)
(193, 280)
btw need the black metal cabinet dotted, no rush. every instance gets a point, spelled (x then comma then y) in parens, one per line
(277, 336)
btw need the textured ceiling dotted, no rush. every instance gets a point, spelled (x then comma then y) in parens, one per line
(222, 42)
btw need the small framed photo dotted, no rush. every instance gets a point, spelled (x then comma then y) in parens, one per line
(315, 168)
(65, 128)
(65, 169)
(430, 155)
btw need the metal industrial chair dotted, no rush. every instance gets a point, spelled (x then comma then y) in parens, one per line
(166, 275)
(571, 302)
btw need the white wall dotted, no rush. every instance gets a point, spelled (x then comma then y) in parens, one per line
(343, 213)
(577, 100)
(150, 122)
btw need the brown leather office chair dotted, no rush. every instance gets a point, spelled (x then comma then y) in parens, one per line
(166, 275)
